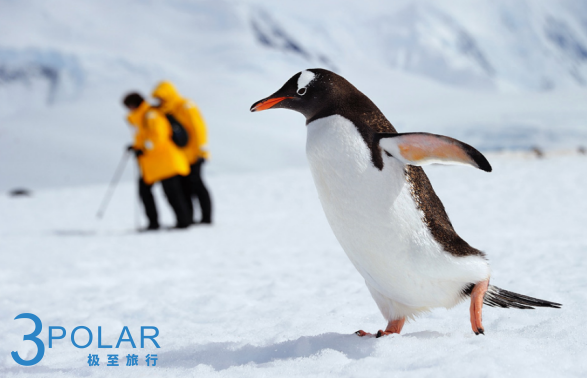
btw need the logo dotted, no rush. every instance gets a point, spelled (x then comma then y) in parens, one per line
(58, 333)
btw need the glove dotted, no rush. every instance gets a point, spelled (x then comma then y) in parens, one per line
(137, 153)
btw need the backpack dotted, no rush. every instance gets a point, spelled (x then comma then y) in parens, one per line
(179, 135)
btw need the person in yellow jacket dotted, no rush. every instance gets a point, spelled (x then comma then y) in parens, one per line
(188, 115)
(159, 159)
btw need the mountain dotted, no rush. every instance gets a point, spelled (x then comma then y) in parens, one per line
(502, 74)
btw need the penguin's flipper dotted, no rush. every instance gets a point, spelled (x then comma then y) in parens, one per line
(424, 148)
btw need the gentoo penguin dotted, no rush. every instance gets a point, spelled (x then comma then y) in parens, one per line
(381, 205)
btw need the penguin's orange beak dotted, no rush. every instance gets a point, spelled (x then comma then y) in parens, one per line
(267, 103)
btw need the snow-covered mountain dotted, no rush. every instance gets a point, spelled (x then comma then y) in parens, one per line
(37, 77)
(479, 44)
(522, 45)
(504, 74)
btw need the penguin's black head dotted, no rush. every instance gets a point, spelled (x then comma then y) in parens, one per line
(307, 92)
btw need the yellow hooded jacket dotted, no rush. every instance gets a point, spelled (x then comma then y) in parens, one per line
(161, 158)
(188, 114)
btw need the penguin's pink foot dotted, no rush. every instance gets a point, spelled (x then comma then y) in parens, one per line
(477, 295)
(394, 326)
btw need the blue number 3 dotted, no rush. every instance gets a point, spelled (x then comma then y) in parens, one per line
(33, 337)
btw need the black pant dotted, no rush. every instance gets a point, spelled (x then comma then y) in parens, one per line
(194, 187)
(173, 188)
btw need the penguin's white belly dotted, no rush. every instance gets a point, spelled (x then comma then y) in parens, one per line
(379, 226)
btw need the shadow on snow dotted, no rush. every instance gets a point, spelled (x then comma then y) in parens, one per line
(224, 355)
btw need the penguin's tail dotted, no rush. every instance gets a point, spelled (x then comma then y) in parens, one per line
(496, 297)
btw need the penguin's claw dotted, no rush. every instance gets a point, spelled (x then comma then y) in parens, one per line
(394, 326)
(479, 331)
(381, 333)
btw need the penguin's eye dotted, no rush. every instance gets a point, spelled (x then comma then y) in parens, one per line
(302, 91)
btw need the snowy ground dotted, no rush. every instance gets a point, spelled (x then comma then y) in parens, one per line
(267, 290)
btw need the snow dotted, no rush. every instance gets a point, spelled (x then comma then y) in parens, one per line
(267, 290)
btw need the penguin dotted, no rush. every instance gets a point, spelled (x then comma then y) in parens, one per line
(382, 208)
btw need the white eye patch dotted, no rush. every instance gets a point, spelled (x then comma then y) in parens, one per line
(305, 78)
